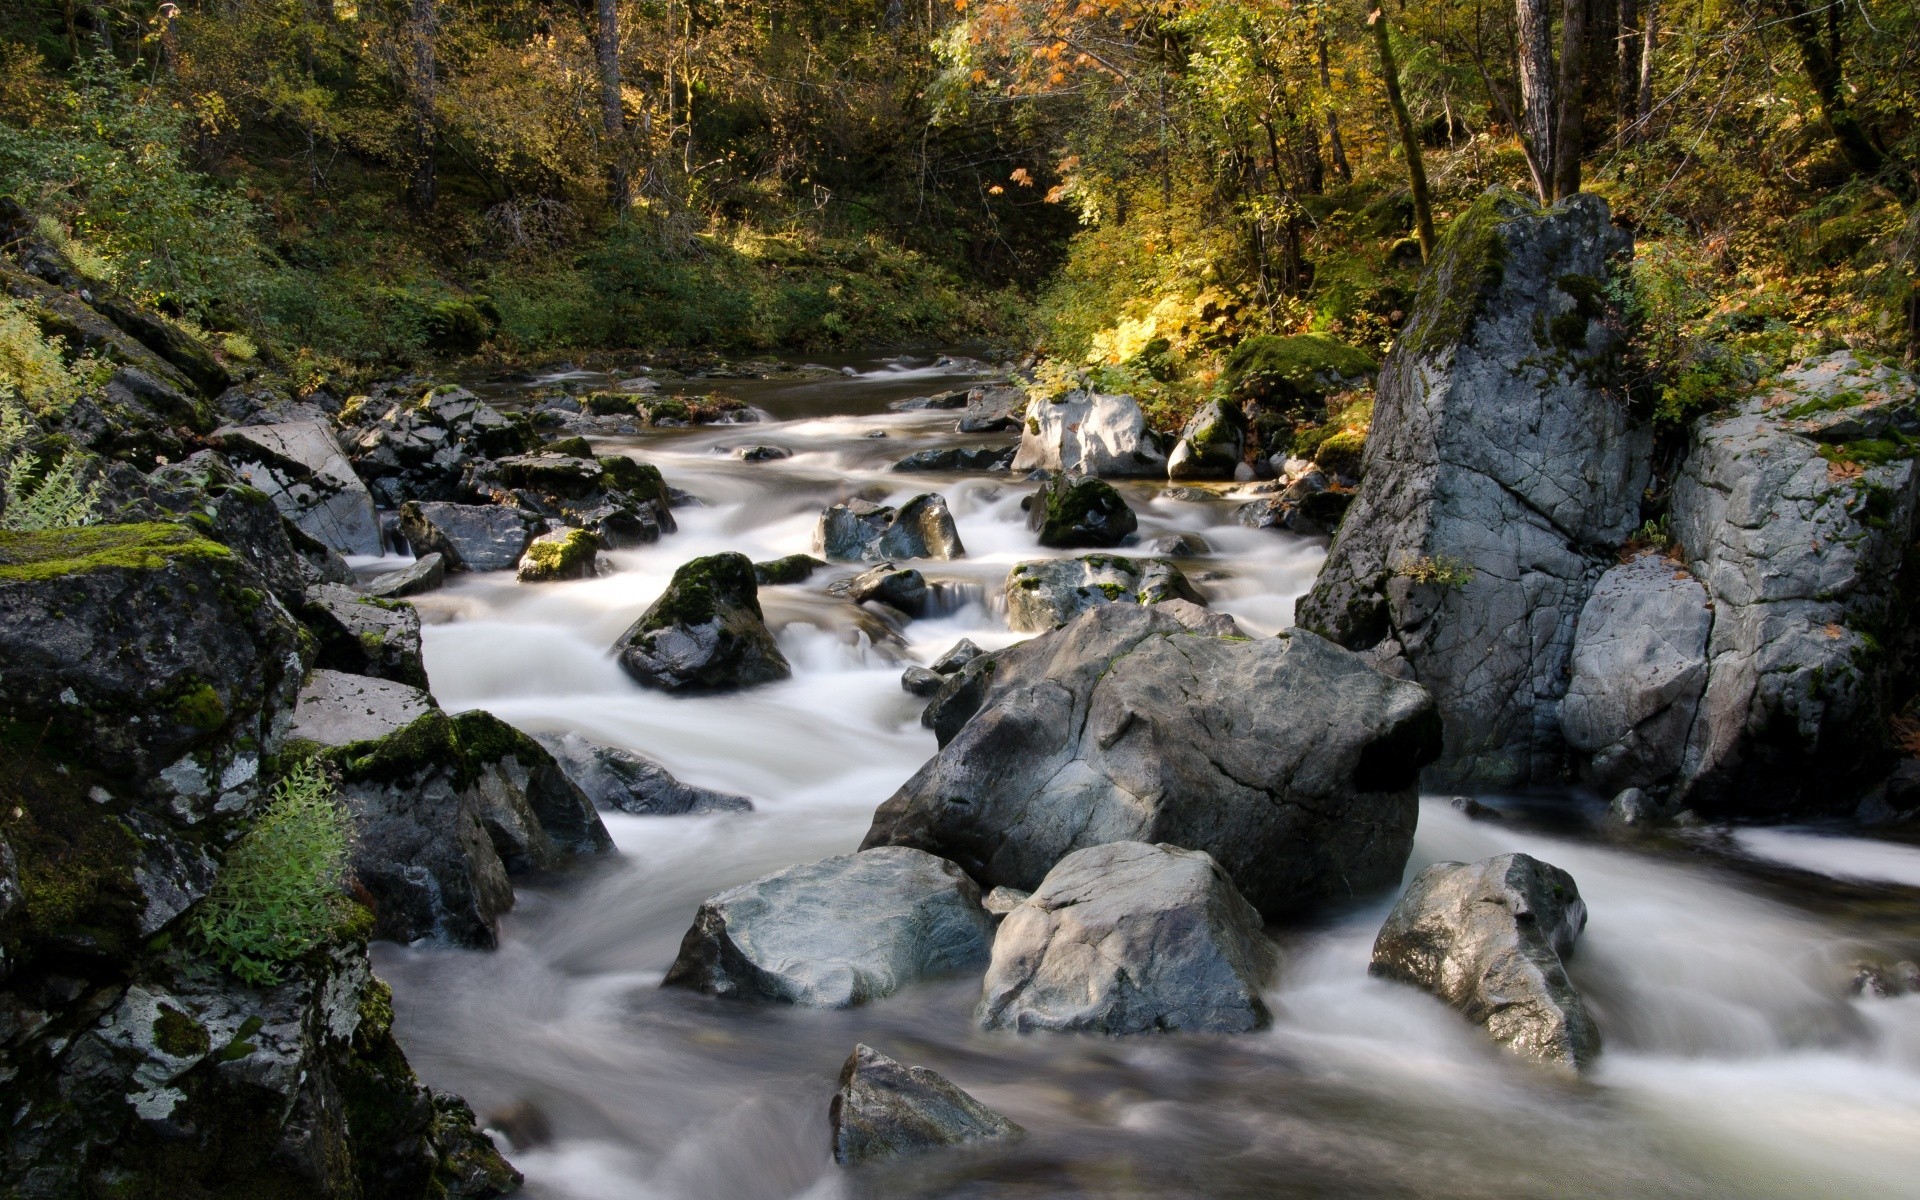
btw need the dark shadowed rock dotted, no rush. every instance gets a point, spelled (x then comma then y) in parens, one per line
(534, 813)
(838, 932)
(1049, 592)
(957, 656)
(958, 458)
(419, 442)
(614, 778)
(918, 681)
(365, 635)
(469, 537)
(794, 568)
(886, 1109)
(905, 589)
(1289, 760)
(1130, 938)
(1070, 512)
(705, 631)
(1488, 938)
(862, 531)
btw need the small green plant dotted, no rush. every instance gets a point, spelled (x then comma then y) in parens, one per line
(280, 894)
(40, 498)
(1440, 570)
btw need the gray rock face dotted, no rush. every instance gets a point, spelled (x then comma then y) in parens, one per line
(1288, 759)
(1499, 475)
(886, 1109)
(1211, 445)
(300, 467)
(469, 537)
(1638, 667)
(337, 708)
(1090, 433)
(613, 778)
(426, 574)
(1800, 542)
(918, 681)
(957, 656)
(905, 590)
(1047, 593)
(992, 409)
(838, 932)
(533, 811)
(705, 631)
(1488, 938)
(365, 635)
(238, 517)
(862, 531)
(1130, 938)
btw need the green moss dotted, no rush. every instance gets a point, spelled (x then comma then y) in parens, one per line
(179, 1034)
(201, 707)
(74, 857)
(559, 558)
(32, 557)
(1293, 368)
(661, 411)
(794, 568)
(429, 743)
(694, 595)
(1469, 266)
(1569, 332)
(607, 404)
(573, 447)
(1869, 452)
(1340, 452)
(620, 473)
(1072, 508)
(485, 738)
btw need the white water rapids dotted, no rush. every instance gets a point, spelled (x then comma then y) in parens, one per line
(1736, 1064)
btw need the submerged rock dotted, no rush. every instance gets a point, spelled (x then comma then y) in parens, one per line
(300, 467)
(1089, 433)
(958, 458)
(838, 932)
(887, 584)
(863, 531)
(469, 537)
(1211, 445)
(1130, 938)
(1289, 760)
(705, 631)
(1488, 938)
(613, 778)
(1047, 593)
(365, 635)
(1069, 512)
(886, 1109)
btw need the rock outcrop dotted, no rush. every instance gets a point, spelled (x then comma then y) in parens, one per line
(1488, 938)
(1130, 938)
(838, 932)
(705, 632)
(424, 575)
(1070, 512)
(300, 467)
(622, 502)
(1049, 592)
(613, 778)
(863, 531)
(1500, 475)
(1212, 444)
(1089, 433)
(886, 1109)
(1288, 759)
(469, 537)
(365, 635)
(414, 442)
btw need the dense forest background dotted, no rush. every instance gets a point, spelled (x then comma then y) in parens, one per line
(1132, 187)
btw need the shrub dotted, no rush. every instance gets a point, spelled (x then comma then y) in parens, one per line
(1441, 571)
(280, 894)
(40, 498)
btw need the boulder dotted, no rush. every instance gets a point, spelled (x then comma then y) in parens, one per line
(534, 813)
(762, 453)
(956, 398)
(613, 778)
(1288, 759)
(365, 635)
(886, 1109)
(415, 442)
(1291, 375)
(206, 490)
(957, 656)
(469, 537)
(1638, 667)
(1089, 433)
(958, 458)
(992, 409)
(705, 631)
(1047, 593)
(1502, 472)
(1069, 512)
(1489, 938)
(560, 555)
(622, 502)
(427, 573)
(1795, 510)
(1212, 444)
(838, 932)
(862, 531)
(1181, 545)
(794, 568)
(905, 589)
(1130, 938)
(918, 681)
(300, 467)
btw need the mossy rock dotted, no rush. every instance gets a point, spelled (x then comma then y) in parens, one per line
(794, 568)
(1340, 453)
(1468, 267)
(32, 557)
(1292, 371)
(611, 404)
(569, 554)
(1069, 512)
(705, 632)
(573, 447)
(74, 859)
(642, 481)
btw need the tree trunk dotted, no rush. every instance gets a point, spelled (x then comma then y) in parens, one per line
(1649, 36)
(1533, 25)
(1409, 142)
(1627, 81)
(1823, 72)
(1570, 127)
(1335, 145)
(613, 115)
(422, 26)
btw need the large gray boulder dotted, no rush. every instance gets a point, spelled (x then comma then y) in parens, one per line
(365, 635)
(1211, 445)
(705, 632)
(862, 531)
(1796, 510)
(1047, 593)
(1638, 667)
(1501, 473)
(886, 1109)
(300, 467)
(1288, 759)
(469, 537)
(991, 409)
(613, 778)
(1130, 938)
(1488, 938)
(1090, 433)
(838, 932)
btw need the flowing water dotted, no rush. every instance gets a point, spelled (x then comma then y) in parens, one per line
(1736, 1062)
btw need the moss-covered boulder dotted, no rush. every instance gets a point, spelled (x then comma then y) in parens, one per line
(1340, 453)
(706, 631)
(562, 554)
(1047, 593)
(794, 568)
(534, 813)
(1211, 445)
(1291, 373)
(1068, 512)
(365, 635)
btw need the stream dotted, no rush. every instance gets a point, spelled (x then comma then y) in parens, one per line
(1736, 1063)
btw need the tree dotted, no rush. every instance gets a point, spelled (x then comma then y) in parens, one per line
(1570, 111)
(1533, 29)
(423, 26)
(613, 115)
(1821, 59)
(1409, 141)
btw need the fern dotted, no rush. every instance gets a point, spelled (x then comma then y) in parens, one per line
(58, 498)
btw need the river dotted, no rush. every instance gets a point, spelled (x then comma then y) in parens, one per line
(1736, 1063)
